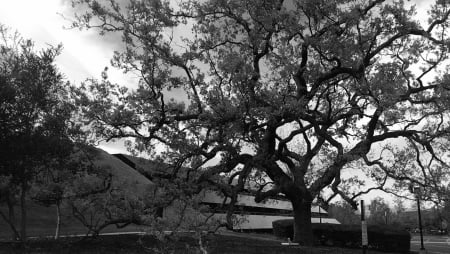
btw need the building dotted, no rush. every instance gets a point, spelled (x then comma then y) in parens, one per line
(248, 214)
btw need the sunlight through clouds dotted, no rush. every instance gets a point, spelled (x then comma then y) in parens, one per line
(84, 54)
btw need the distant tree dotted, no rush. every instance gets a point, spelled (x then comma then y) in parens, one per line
(446, 211)
(348, 80)
(399, 205)
(344, 213)
(433, 218)
(398, 214)
(380, 213)
(445, 215)
(35, 113)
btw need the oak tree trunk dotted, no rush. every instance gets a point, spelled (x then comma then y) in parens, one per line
(303, 233)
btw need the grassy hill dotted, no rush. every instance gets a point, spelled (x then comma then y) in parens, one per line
(123, 174)
(42, 220)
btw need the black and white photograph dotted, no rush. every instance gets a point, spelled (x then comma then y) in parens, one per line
(225, 126)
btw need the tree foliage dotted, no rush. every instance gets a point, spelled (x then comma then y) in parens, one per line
(35, 113)
(380, 212)
(343, 212)
(360, 85)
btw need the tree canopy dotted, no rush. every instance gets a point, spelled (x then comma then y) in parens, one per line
(310, 95)
(35, 114)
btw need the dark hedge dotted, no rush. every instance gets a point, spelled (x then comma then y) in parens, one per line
(383, 238)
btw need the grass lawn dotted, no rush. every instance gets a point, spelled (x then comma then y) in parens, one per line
(41, 221)
(220, 244)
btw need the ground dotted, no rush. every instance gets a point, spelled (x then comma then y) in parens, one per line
(42, 223)
(433, 244)
(223, 243)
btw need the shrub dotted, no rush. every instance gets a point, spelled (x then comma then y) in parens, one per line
(389, 238)
(383, 238)
(283, 228)
(338, 234)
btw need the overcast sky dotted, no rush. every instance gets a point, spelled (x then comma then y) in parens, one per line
(85, 53)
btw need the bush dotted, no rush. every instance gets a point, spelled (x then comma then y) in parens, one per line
(338, 234)
(389, 238)
(383, 238)
(283, 228)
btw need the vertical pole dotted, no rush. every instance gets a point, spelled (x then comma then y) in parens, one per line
(422, 248)
(319, 201)
(320, 215)
(364, 239)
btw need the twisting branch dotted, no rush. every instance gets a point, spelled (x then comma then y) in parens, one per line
(261, 195)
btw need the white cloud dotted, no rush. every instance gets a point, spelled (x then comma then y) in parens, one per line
(84, 54)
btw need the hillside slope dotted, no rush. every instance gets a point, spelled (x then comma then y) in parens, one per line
(42, 220)
(123, 175)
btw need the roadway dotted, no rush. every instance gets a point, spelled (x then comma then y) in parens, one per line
(434, 244)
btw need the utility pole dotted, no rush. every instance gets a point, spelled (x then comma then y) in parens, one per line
(365, 240)
(417, 192)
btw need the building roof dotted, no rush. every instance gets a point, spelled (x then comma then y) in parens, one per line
(151, 169)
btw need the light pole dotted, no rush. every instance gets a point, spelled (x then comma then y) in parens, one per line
(364, 239)
(319, 198)
(320, 216)
(416, 190)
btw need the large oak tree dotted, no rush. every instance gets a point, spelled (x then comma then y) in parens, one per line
(298, 92)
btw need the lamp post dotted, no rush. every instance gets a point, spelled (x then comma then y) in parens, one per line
(320, 216)
(364, 239)
(319, 198)
(416, 190)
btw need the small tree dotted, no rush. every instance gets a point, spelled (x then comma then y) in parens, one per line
(49, 193)
(182, 212)
(35, 113)
(160, 207)
(344, 213)
(55, 184)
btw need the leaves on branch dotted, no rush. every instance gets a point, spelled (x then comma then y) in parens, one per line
(301, 91)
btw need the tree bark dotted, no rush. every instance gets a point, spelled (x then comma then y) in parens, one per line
(23, 209)
(303, 233)
(58, 220)
(12, 219)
